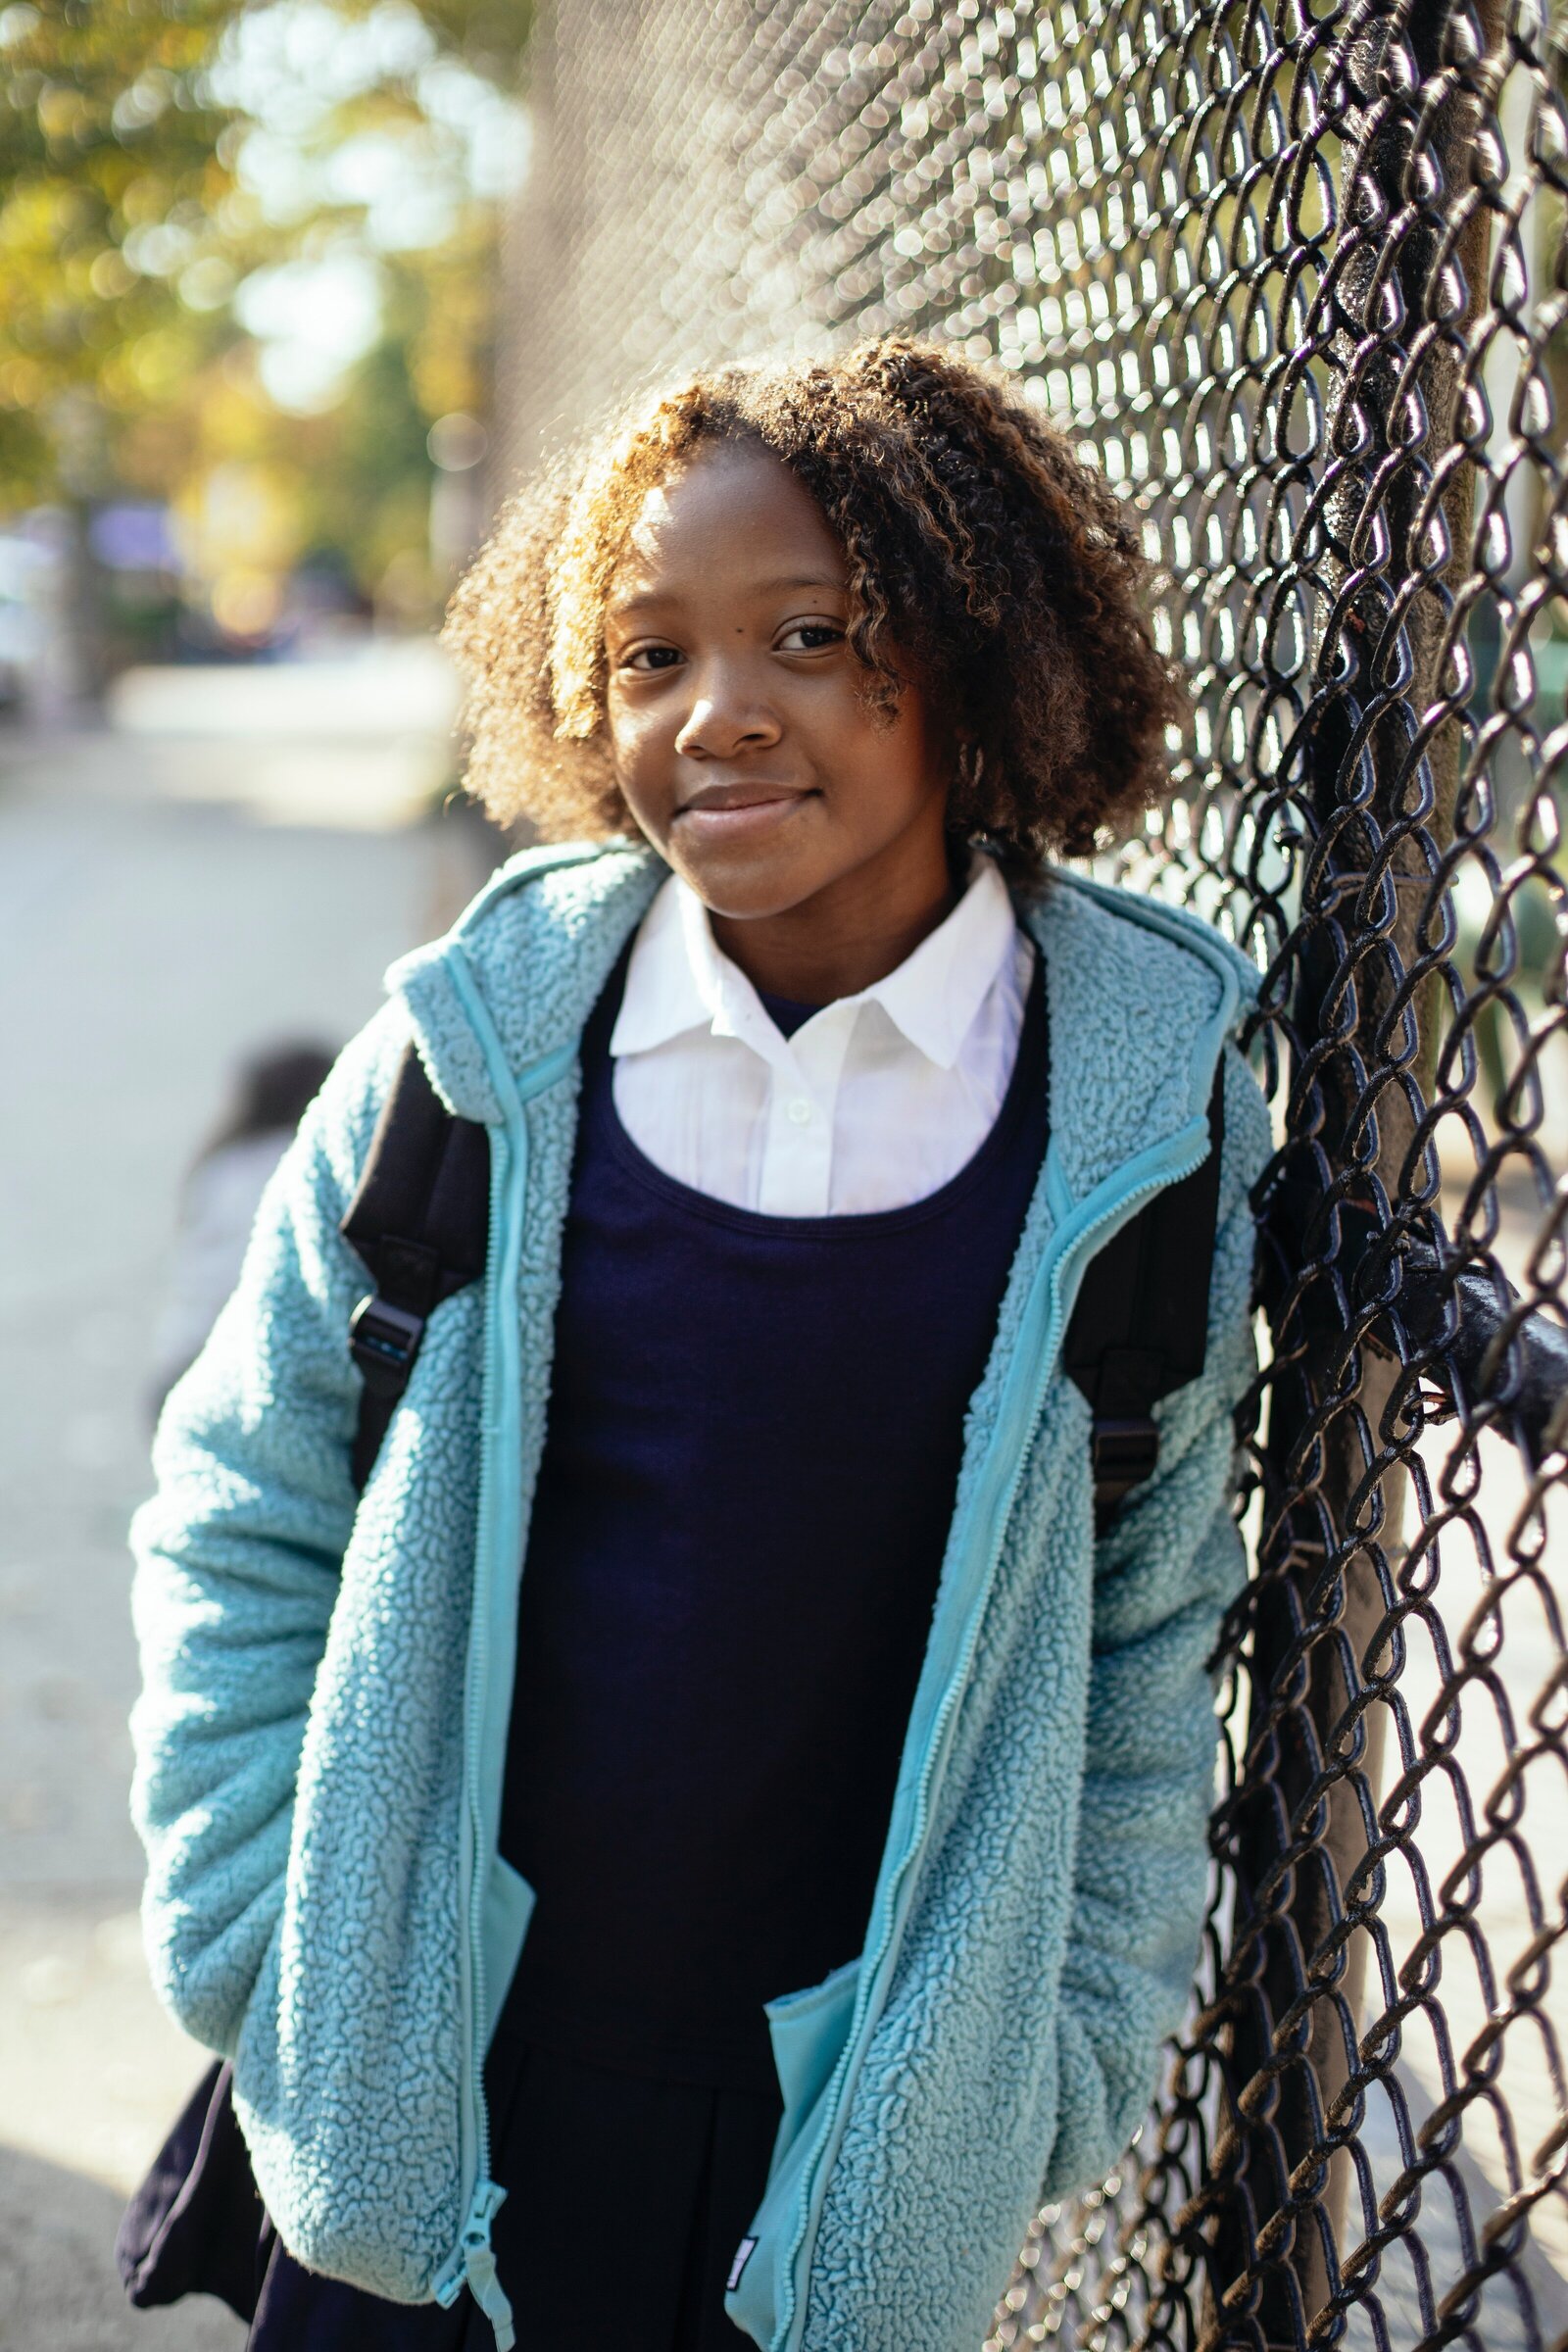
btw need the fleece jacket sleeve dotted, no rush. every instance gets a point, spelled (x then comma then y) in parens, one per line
(238, 1556)
(1165, 1574)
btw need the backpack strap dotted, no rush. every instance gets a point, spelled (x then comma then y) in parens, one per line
(420, 1221)
(1140, 1327)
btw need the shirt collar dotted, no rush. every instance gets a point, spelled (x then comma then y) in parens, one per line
(677, 979)
(934, 995)
(680, 978)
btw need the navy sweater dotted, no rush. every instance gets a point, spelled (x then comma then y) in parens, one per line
(754, 1440)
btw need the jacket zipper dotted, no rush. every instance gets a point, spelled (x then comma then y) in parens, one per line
(788, 2334)
(472, 2262)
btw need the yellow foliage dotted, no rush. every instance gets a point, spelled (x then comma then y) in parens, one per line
(126, 229)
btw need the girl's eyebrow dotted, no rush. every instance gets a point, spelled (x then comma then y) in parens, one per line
(664, 596)
(812, 579)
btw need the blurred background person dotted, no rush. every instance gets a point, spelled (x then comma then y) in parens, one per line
(217, 1206)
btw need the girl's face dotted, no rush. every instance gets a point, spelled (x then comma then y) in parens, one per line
(737, 730)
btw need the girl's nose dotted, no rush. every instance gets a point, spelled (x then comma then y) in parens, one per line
(724, 721)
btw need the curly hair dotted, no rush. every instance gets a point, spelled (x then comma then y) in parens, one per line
(983, 557)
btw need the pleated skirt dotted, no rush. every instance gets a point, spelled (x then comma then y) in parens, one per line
(626, 2201)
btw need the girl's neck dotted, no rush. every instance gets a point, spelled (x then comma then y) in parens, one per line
(842, 940)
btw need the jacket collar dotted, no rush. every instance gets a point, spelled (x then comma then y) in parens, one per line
(1140, 993)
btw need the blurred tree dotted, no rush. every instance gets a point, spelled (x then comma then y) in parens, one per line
(182, 182)
(110, 179)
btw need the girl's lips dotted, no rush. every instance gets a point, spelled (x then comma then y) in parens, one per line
(730, 809)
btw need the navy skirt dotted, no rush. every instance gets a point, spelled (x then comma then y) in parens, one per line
(626, 2201)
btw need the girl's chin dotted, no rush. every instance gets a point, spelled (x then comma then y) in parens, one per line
(744, 896)
(745, 873)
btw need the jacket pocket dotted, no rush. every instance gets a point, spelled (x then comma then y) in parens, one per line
(508, 1909)
(808, 2030)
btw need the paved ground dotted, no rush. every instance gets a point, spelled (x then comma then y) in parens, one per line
(165, 901)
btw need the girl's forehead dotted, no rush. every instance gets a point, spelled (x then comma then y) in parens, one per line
(730, 507)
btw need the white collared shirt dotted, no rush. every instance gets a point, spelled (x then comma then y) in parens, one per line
(875, 1102)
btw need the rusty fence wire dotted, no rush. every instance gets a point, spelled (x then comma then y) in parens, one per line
(1295, 276)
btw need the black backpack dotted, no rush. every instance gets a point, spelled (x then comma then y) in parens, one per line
(419, 1219)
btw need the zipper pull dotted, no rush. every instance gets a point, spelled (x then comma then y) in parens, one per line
(488, 2292)
(473, 2265)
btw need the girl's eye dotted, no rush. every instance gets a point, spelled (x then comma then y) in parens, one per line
(811, 637)
(650, 656)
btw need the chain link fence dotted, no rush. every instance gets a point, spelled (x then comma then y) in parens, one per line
(1297, 277)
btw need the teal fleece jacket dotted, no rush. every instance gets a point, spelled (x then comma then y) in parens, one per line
(321, 1734)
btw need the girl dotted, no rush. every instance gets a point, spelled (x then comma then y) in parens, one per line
(736, 1923)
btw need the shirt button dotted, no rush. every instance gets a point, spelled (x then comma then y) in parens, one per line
(799, 1110)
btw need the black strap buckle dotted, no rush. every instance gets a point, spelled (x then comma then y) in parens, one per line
(1124, 1452)
(384, 1340)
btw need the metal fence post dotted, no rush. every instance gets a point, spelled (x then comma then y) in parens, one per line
(1382, 750)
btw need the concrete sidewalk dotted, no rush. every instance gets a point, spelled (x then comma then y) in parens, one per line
(58, 2287)
(163, 906)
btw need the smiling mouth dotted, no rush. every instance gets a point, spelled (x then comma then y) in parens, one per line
(733, 800)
